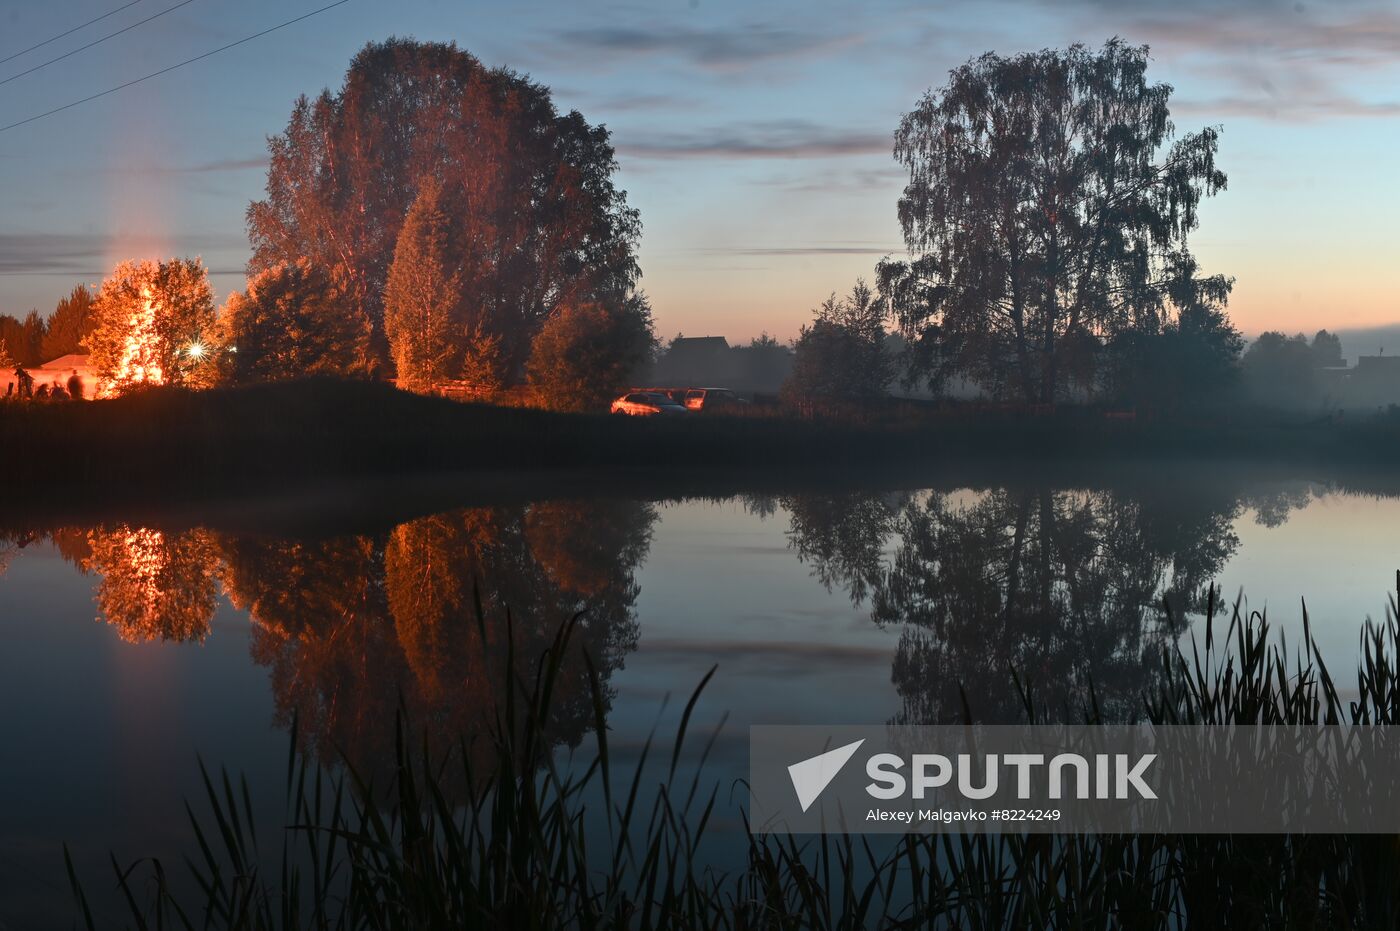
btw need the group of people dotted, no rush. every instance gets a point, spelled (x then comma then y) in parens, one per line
(22, 388)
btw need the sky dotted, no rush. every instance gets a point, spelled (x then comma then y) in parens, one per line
(754, 137)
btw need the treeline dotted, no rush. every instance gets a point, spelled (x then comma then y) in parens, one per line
(849, 354)
(35, 339)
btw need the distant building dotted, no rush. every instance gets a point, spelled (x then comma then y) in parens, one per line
(699, 360)
(1374, 381)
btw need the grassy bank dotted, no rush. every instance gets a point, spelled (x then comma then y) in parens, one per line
(521, 853)
(172, 441)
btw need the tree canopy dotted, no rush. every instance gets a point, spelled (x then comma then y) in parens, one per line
(152, 322)
(1283, 370)
(24, 338)
(69, 324)
(436, 332)
(536, 216)
(290, 323)
(585, 354)
(841, 355)
(1048, 207)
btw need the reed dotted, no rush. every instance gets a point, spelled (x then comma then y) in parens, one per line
(526, 851)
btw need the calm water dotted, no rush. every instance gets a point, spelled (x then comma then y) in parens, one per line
(131, 648)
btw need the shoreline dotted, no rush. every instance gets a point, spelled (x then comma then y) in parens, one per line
(289, 439)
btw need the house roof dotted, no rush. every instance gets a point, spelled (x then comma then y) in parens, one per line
(700, 342)
(73, 360)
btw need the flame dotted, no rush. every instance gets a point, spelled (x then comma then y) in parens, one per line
(140, 361)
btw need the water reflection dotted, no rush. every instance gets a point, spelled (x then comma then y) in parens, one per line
(154, 585)
(1066, 588)
(352, 628)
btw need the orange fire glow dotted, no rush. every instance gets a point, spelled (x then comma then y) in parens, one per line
(140, 361)
(143, 552)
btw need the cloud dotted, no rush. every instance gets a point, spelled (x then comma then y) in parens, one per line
(253, 163)
(795, 251)
(1289, 110)
(729, 48)
(775, 139)
(88, 255)
(631, 102)
(1278, 61)
(845, 179)
(215, 166)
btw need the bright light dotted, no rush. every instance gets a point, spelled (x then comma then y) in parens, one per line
(196, 351)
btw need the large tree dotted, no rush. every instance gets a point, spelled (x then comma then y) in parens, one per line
(1048, 205)
(436, 332)
(290, 323)
(153, 324)
(536, 209)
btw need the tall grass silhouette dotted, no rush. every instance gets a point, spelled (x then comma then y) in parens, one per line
(531, 844)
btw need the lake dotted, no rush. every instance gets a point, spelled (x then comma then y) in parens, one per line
(135, 646)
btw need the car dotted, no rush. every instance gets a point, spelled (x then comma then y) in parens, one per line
(645, 404)
(710, 399)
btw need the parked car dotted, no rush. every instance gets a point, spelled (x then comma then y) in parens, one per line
(644, 404)
(710, 399)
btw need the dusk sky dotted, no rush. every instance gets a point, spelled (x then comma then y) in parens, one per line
(754, 137)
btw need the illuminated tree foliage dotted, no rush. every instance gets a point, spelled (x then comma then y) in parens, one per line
(155, 585)
(1047, 211)
(436, 333)
(586, 354)
(25, 338)
(69, 324)
(290, 323)
(148, 316)
(535, 214)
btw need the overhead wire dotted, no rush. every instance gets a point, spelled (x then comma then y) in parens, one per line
(65, 34)
(94, 42)
(167, 70)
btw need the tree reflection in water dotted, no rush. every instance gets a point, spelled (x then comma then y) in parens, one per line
(155, 585)
(352, 628)
(1065, 587)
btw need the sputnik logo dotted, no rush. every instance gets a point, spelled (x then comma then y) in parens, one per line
(811, 777)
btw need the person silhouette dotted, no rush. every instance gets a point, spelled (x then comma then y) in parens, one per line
(24, 382)
(75, 386)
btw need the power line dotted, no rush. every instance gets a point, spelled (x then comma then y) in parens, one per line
(68, 33)
(110, 35)
(188, 61)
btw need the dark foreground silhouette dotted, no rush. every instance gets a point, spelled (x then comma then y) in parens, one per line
(175, 442)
